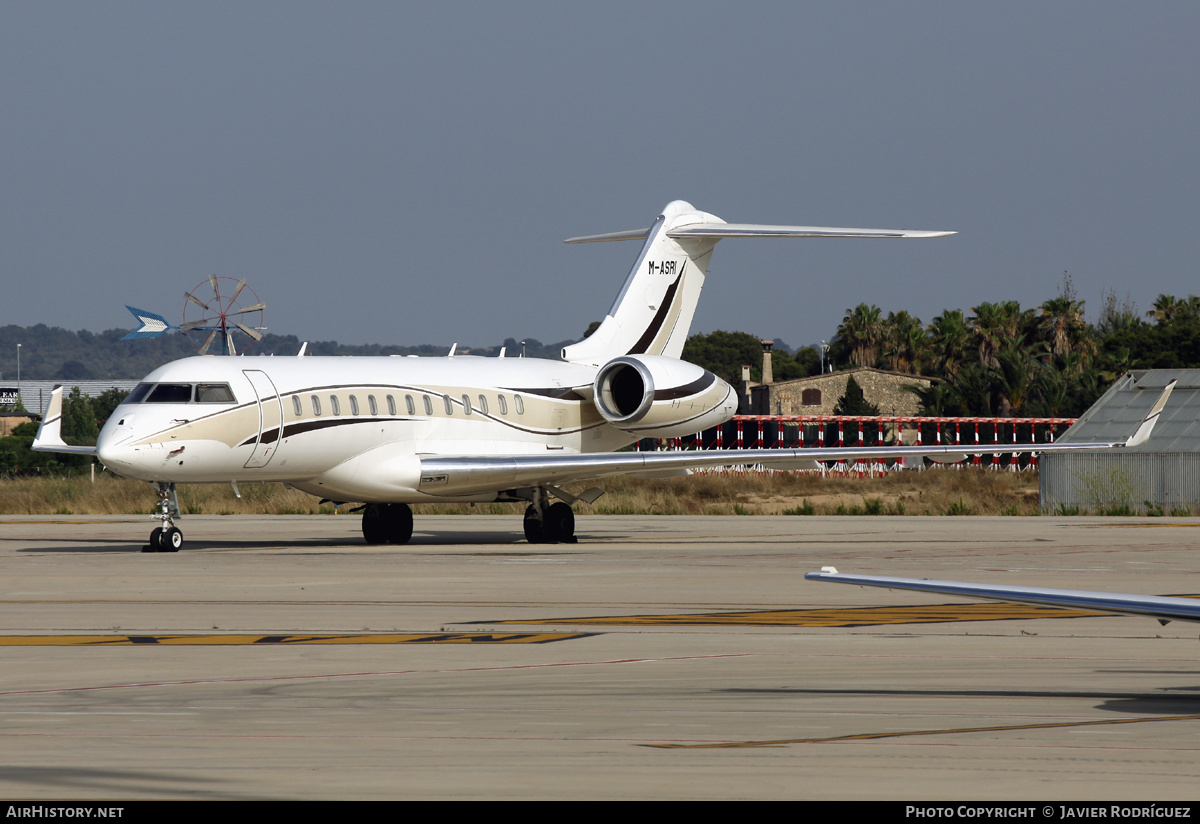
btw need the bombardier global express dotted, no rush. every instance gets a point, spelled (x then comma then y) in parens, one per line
(388, 432)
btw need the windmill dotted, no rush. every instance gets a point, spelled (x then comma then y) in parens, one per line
(215, 315)
(218, 309)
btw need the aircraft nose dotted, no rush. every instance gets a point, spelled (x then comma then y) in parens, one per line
(109, 449)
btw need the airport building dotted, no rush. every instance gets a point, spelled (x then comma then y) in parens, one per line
(1160, 476)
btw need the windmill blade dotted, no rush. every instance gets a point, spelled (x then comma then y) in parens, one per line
(195, 324)
(208, 342)
(196, 300)
(212, 280)
(258, 307)
(237, 291)
(254, 333)
(229, 347)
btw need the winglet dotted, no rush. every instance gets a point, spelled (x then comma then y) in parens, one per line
(1147, 426)
(49, 437)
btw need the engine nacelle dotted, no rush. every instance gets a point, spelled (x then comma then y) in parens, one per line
(651, 396)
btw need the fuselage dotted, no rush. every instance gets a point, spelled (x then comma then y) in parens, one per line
(352, 428)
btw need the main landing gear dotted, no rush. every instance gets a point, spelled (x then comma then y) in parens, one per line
(547, 523)
(165, 538)
(387, 523)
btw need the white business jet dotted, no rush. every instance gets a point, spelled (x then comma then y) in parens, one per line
(388, 432)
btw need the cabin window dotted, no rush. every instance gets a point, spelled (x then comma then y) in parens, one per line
(502, 404)
(466, 404)
(428, 405)
(409, 405)
(170, 393)
(214, 393)
(374, 407)
(335, 406)
(483, 404)
(353, 405)
(519, 404)
(449, 404)
(296, 407)
(392, 405)
(316, 405)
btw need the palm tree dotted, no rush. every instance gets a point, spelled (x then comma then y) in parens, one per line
(861, 332)
(1166, 308)
(950, 339)
(995, 325)
(905, 342)
(1063, 328)
(1016, 376)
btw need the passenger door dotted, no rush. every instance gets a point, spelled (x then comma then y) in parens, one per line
(270, 418)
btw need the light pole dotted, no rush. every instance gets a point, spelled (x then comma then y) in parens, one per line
(19, 376)
(824, 347)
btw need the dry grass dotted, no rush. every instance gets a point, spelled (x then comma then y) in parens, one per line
(934, 492)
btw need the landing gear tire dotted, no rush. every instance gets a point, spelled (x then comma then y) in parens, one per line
(164, 540)
(373, 528)
(535, 531)
(559, 524)
(557, 527)
(387, 523)
(398, 523)
(155, 544)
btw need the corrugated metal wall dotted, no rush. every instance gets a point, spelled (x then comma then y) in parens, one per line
(1163, 472)
(1111, 480)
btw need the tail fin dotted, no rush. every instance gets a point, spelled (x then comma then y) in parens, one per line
(653, 313)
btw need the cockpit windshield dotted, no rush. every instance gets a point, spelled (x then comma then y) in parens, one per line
(181, 393)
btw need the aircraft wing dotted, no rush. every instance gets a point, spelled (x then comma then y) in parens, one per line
(478, 473)
(49, 437)
(1163, 608)
(451, 475)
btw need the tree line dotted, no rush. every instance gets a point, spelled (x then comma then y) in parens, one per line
(1003, 360)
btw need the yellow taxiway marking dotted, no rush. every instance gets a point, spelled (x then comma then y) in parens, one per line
(300, 638)
(1147, 525)
(853, 617)
(908, 733)
(72, 522)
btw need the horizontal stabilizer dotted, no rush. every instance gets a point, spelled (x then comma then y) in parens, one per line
(632, 234)
(730, 230)
(723, 230)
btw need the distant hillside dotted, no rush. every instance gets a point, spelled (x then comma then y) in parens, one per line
(52, 353)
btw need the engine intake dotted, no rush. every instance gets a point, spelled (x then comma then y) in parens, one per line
(659, 397)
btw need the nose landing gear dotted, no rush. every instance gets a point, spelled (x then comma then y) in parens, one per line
(166, 538)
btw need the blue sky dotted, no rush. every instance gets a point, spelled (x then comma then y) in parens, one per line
(405, 173)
